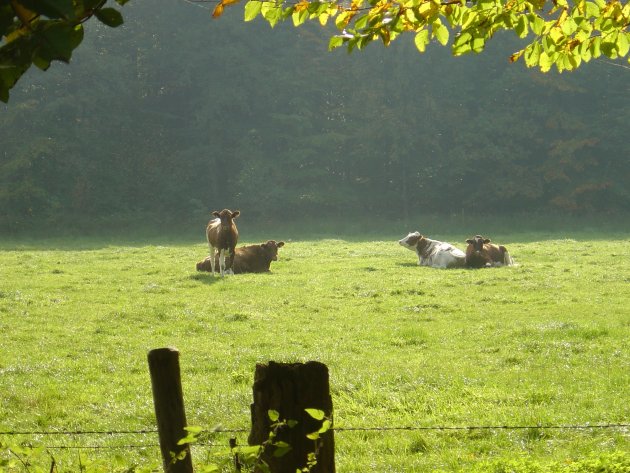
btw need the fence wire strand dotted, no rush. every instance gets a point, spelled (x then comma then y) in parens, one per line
(336, 429)
(243, 430)
(115, 447)
(80, 432)
(483, 427)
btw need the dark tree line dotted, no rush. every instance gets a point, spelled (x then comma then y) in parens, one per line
(172, 116)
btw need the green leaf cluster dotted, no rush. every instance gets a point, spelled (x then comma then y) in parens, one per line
(39, 32)
(561, 34)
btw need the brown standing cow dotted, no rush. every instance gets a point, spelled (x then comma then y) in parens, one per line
(249, 259)
(222, 236)
(481, 253)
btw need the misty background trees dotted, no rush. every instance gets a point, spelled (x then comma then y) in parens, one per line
(173, 115)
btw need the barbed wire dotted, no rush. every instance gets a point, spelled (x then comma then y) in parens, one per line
(79, 432)
(115, 447)
(100, 447)
(338, 429)
(335, 429)
(482, 427)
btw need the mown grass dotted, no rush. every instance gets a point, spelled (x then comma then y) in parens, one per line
(543, 343)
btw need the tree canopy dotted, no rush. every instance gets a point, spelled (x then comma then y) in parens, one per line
(555, 32)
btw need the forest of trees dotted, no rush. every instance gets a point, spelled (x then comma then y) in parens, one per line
(173, 115)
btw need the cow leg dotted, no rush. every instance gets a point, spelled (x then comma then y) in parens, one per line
(222, 261)
(230, 262)
(419, 257)
(507, 259)
(442, 261)
(212, 251)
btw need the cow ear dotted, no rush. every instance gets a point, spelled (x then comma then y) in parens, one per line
(487, 240)
(470, 242)
(280, 244)
(236, 213)
(216, 214)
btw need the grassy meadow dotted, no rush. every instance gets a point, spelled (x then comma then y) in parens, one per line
(542, 343)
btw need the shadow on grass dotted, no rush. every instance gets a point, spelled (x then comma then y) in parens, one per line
(407, 265)
(206, 278)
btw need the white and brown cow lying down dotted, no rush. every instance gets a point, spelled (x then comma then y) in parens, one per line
(249, 259)
(222, 236)
(433, 253)
(482, 254)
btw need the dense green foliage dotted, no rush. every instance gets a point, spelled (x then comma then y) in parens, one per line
(543, 343)
(153, 120)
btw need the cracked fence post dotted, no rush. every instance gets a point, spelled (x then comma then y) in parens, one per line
(168, 400)
(289, 389)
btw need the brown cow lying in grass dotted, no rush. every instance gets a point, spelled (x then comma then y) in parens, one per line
(481, 253)
(222, 236)
(249, 259)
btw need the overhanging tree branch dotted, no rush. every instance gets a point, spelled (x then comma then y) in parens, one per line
(560, 33)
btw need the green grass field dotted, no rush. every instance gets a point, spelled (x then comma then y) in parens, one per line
(543, 343)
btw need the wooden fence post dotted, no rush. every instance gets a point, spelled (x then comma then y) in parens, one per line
(289, 389)
(169, 408)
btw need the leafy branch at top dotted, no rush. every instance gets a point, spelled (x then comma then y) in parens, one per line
(561, 32)
(41, 31)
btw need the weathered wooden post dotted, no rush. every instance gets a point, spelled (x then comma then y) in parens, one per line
(168, 400)
(289, 389)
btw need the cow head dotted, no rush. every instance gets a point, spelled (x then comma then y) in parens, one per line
(477, 243)
(226, 216)
(411, 240)
(271, 248)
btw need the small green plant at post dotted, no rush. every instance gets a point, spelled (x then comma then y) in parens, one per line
(316, 414)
